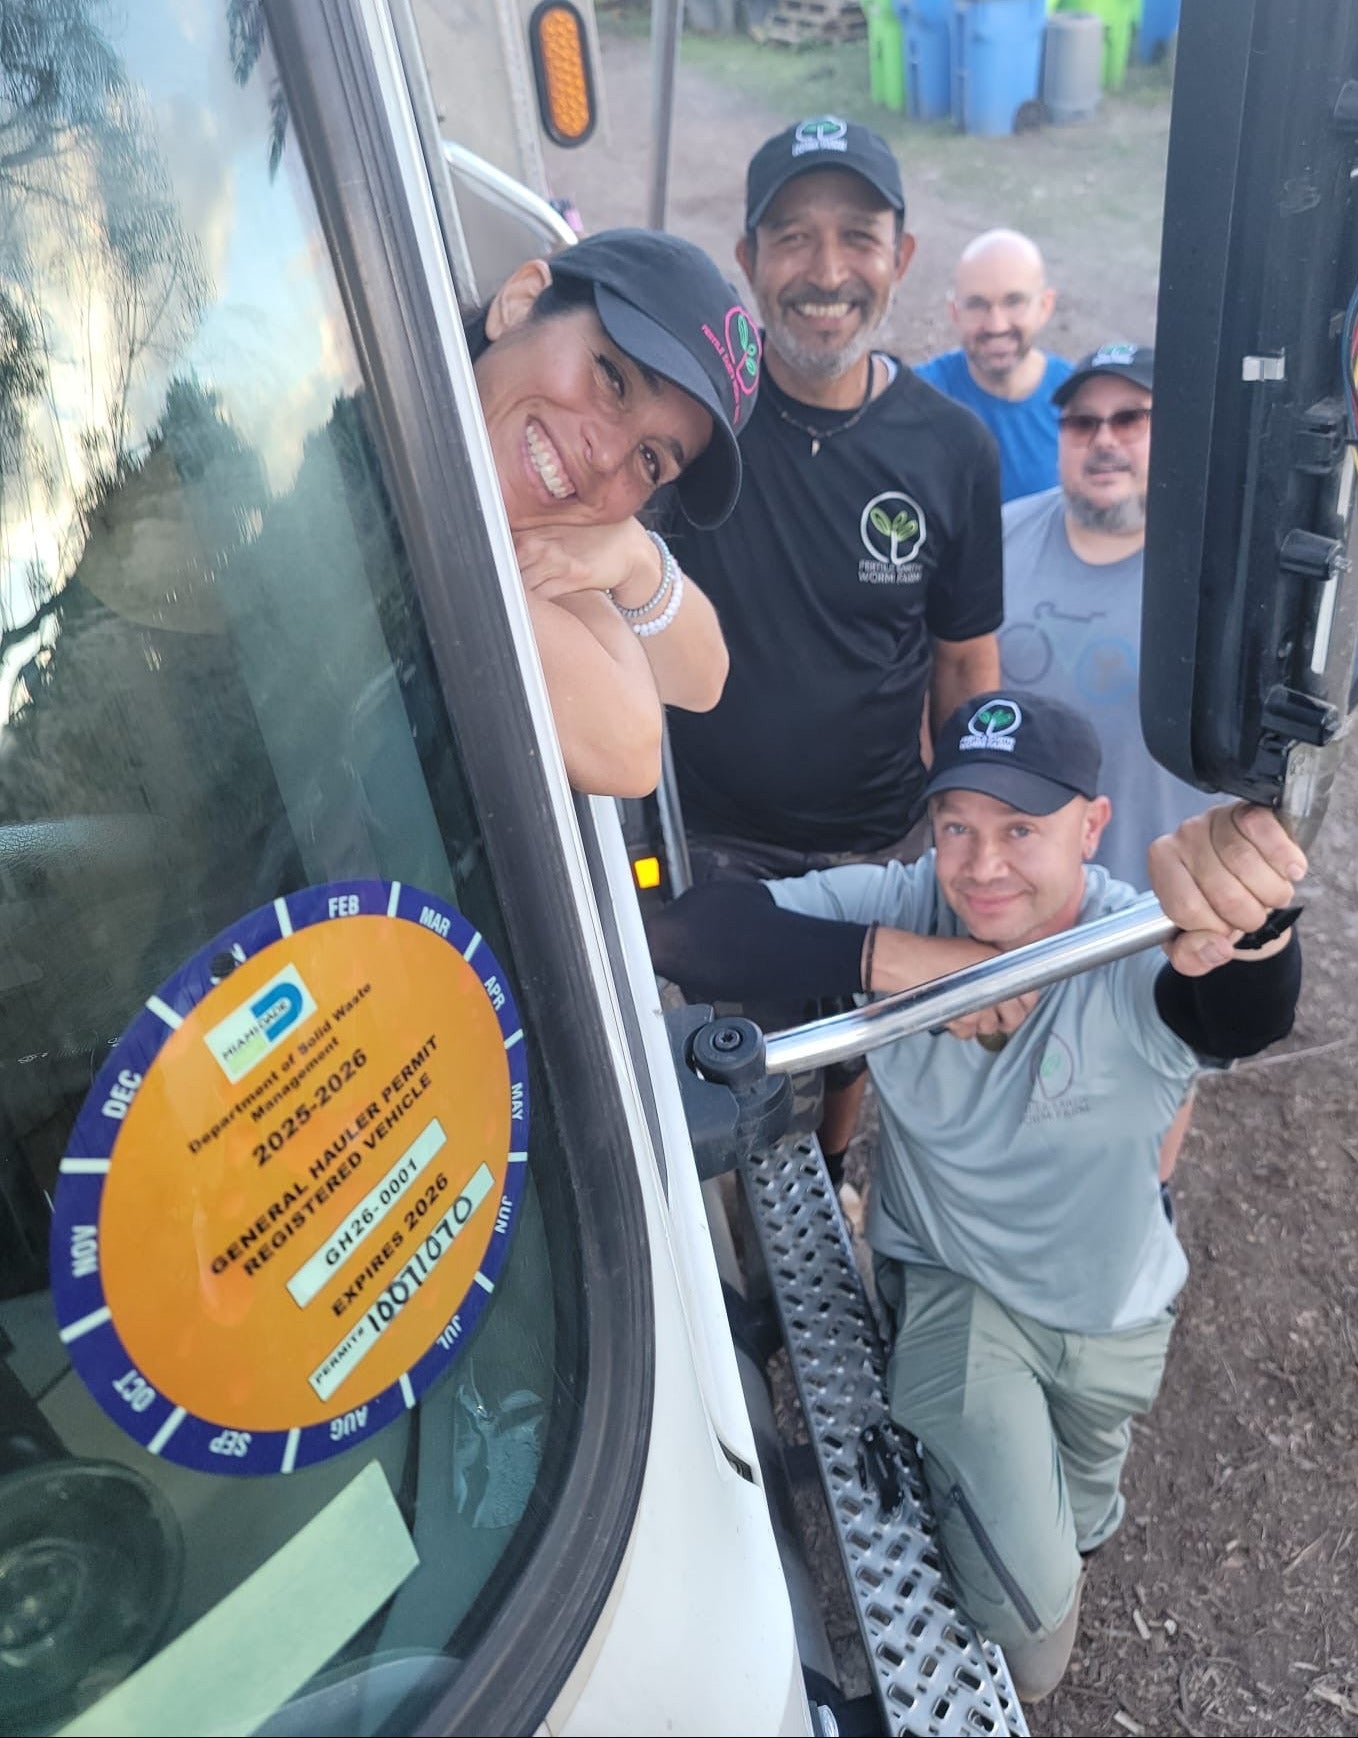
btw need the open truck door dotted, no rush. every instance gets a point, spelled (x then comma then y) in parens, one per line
(1250, 611)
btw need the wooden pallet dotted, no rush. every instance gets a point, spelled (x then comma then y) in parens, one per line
(797, 23)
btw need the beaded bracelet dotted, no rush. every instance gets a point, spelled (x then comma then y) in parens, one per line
(669, 567)
(644, 630)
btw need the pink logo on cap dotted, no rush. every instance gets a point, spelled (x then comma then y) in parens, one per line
(739, 350)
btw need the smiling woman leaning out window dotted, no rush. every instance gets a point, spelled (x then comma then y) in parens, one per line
(620, 366)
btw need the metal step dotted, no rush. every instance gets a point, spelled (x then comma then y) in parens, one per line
(933, 1674)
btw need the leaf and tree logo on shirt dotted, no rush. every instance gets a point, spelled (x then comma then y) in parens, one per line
(892, 528)
(1055, 1095)
(1054, 1068)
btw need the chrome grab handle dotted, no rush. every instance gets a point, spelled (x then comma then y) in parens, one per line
(820, 1042)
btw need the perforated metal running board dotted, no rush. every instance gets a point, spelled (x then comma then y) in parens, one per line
(933, 1674)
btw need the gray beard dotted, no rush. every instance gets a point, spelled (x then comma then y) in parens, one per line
(1118, 520)
(816, 364)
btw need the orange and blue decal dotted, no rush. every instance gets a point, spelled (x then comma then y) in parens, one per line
(288, 1197)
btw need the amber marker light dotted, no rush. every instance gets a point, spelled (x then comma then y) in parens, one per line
(646, 873)
(556, 38)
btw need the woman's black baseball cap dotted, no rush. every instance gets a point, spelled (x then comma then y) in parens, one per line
(1028, 750)
(665, 304)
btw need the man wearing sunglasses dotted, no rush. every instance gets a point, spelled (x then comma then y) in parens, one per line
(1072, 592)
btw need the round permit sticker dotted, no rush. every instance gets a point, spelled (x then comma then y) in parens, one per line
(289, 1194)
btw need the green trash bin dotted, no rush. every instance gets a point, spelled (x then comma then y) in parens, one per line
(886, 54)
(1120, 21)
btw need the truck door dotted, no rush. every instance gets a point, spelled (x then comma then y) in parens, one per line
(325, 1301)
(1250, 614)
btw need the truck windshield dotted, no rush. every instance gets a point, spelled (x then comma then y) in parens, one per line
(289, 1351)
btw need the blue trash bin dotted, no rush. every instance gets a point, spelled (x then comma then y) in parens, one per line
(926, 44)
(1159, 21)
(997, 63)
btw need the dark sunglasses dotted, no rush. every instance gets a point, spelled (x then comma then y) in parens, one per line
(1124, 424)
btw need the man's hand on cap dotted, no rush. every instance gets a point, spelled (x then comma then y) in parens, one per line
(1218, 877)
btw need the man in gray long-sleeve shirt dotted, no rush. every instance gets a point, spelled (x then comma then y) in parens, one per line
(1016, 1224)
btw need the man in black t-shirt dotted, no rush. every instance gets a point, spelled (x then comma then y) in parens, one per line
(859, 577)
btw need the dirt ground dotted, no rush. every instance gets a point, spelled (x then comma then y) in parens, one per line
(1226, 1603)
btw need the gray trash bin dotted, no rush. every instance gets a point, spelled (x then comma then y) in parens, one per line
(1073, 66)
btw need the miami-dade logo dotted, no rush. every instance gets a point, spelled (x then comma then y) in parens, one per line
(993, 725)
(892, 528)
(820, 133)
(244, 1038)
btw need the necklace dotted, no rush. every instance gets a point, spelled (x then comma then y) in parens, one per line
(826, 434)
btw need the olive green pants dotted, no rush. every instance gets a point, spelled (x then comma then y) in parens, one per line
(1023, 1431)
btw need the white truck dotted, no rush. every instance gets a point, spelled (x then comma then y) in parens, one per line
(374, 1355)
